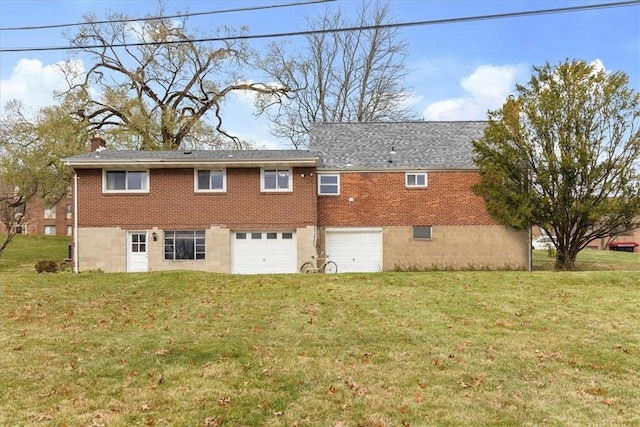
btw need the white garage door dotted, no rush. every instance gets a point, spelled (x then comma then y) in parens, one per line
(355, 249)
(256, 252)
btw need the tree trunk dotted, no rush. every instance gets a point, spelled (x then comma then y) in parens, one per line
(565, 259)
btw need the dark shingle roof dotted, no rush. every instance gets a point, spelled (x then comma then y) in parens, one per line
(417, 145)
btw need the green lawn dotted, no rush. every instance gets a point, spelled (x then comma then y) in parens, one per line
(390, 349)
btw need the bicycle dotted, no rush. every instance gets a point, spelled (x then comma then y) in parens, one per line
(328, 267)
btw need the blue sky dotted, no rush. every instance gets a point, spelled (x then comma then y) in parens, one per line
(459, 71)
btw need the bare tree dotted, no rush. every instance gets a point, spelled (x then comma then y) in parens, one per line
(12, 216)
(344, 76)
(155, 82)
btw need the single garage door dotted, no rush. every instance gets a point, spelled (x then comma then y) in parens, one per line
(355, 249)
(257, 252)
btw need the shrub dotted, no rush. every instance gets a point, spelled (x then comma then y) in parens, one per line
(46, 266)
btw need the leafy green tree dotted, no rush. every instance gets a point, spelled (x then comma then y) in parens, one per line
(564, 154)
(31, 147)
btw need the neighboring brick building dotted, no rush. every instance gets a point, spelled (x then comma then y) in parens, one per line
(55, 220)
(374, 196)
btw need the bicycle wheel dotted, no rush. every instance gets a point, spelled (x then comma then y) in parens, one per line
(330, 268)
(307, 267)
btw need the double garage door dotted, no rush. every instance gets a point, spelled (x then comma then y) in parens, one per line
(257, 252)
(355, 249)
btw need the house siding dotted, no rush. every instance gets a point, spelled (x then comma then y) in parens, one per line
(455, 247)
(172, 203)
(381, 199)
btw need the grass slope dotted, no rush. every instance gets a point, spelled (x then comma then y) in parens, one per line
(391, 349)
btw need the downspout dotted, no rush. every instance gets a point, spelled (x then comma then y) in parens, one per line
(75, 222)
(530, 251)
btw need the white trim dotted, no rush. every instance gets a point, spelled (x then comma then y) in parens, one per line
(320, 175)
(75, 222)
(126, 171)
(289, 189)
(214, 190)
(397, 170)
(416, 174)
(352, 229)
(122, 164)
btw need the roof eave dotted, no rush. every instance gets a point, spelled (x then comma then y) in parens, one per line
(176, 164)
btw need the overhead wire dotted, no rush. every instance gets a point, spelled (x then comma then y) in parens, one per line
(156, 18)
(507, 15)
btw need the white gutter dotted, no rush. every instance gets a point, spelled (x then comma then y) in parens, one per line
(75, 222)
(160, 163)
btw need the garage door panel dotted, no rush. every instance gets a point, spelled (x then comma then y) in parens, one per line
(258, 252)
(355, 250)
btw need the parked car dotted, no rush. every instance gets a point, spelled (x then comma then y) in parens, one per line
(544, 242)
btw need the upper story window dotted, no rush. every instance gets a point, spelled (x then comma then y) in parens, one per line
(416, 179)
(50, 213)
(211, 180)
(126, 181)
(329, 184)
(276, 180)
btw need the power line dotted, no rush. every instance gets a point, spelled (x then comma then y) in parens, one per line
(337, 30)
(155, 18)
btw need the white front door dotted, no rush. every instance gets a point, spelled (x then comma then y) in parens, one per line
(355, 249)
(137, 258)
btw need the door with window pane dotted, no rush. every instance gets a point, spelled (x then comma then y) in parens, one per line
(137, 254)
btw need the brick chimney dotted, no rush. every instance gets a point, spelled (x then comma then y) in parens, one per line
(97, 143)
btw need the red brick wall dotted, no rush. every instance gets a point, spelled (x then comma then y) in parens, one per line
(381, 199)
(173, 203)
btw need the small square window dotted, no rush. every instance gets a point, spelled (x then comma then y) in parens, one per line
(272, 236)
(210, 180)
(416, 179)
(241, 236)
(329, 185)
(256, 236)
(287, 236)
(422, 232)
(276, 180)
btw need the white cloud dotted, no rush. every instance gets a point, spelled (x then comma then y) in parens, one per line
(485, 89)
(33, 83)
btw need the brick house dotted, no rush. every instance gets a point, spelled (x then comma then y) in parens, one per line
(39, 219)
(374, 196)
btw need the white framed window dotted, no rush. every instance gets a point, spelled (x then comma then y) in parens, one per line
(69, 230)
(276, 180)
(125, 181)
(50, 213)
(50, 230)
(329, 184)
(415, 179)
(181, 245)
(210, 180)
(422, 232)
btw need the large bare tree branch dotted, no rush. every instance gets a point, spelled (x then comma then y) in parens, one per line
(162, 91)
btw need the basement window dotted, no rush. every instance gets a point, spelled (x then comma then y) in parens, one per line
(422, 232)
